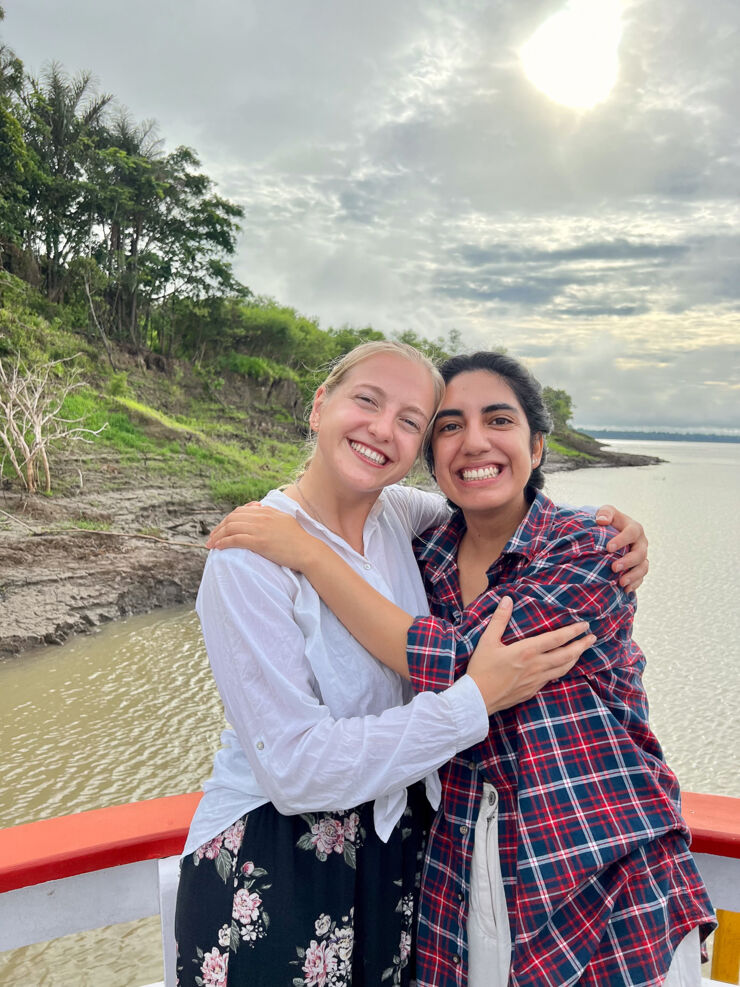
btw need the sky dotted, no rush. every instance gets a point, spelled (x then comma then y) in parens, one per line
(398, 168)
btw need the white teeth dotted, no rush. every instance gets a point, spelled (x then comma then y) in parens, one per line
(369, 453)
(485, 473)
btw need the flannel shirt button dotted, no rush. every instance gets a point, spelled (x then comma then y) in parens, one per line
(464, 830)
(456, 959)
(472, 765)
(460, 896)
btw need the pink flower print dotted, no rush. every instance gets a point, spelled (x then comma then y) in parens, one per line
(234, 835)
(328, 835)
(224, 935)
(247, 868)
(246, 906)
(319, 963)
(350, 826)
(211, 849)
(213, 968)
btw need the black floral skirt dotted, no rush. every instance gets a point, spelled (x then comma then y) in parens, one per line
(315, 900)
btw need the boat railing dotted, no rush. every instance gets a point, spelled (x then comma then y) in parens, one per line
(107, 866)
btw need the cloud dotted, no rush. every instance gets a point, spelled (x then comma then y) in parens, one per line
(397, 168)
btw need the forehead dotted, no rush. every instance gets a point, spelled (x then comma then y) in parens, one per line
(399, 378)
(477, 389)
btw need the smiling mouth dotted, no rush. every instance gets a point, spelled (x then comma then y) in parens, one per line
(370, 454)
(480, 473)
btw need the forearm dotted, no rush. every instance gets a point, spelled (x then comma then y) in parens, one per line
(377, 623)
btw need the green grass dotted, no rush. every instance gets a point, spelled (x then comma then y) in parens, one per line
(565, 450)
(86, 524)
(258, 368)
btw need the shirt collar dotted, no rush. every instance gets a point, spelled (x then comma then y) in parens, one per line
(440, 551)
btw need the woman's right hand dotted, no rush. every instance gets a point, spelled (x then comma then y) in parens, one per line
(509, 674)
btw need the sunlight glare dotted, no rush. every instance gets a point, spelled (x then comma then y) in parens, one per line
(572, 56)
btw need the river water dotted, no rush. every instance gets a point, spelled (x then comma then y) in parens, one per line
(131, 713)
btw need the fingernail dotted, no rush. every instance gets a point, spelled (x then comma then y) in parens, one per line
(618, 566)
(611, 546)
(601, 517)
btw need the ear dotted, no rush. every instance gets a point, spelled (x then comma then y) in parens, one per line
(538, 443)
(314, 417)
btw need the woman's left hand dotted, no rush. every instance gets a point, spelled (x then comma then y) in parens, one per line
(271, 533)
(634, 565)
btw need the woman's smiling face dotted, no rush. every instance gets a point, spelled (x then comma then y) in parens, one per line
(370, 426)
(483, 449)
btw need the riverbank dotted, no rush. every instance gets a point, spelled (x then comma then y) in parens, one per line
(136, 549)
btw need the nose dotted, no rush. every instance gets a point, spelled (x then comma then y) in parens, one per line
(381, 425)
(476, 440)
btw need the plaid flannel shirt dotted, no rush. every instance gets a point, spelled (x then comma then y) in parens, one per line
(600, 884)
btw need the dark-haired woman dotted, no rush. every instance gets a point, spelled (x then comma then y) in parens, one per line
(559, 855)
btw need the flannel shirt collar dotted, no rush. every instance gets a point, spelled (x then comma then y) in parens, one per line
(439, 551)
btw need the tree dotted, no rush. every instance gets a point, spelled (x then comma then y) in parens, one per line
(31, 418)
(14, 161)
(64, 115)
(560, 405)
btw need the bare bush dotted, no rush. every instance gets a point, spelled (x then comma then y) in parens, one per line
(31, 420)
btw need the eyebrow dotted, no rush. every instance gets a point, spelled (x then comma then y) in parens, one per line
(457, 413)
(407, 407)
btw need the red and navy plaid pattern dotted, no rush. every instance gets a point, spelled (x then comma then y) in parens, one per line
(599, 880)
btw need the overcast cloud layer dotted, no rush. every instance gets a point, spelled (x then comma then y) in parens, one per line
(398, 169)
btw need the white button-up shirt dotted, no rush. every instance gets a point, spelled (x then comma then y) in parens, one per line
(317, 723)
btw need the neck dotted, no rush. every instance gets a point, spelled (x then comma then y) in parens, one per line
(343, 512)
(489, 531)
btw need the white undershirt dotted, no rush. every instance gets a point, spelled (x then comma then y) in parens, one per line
(317, 722)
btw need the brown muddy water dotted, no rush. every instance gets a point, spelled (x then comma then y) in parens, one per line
(131, 713)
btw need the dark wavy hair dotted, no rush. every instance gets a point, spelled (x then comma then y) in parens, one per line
(527, 389)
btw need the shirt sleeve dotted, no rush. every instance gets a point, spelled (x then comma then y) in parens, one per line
(570, 580)
(419, 509)
(304, 758)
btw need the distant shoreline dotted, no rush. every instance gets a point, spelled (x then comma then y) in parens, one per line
(614, 433)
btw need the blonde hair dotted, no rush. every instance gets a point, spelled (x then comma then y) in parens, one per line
(344, 364)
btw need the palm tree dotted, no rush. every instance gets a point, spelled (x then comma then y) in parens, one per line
(64, 119)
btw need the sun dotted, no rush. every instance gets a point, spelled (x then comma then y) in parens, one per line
(572, 56)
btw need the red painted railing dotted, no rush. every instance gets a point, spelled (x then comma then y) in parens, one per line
(90, 841)
(87, 841)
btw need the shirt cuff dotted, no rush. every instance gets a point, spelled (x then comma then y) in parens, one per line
(468, 711)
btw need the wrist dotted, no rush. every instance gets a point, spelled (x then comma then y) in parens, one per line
(314, 556)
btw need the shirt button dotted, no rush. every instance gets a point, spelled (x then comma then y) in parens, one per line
(367, 566)
(456, 959)
(464, 830)
(460, 896)
(472, 765)
(260, 746)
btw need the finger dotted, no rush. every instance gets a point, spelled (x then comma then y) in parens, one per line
(632, 535)
(230, 541)
(551, 640)
(632, 579)
(499, 620)
(605, 514)
(629, 561)
(563, 659)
